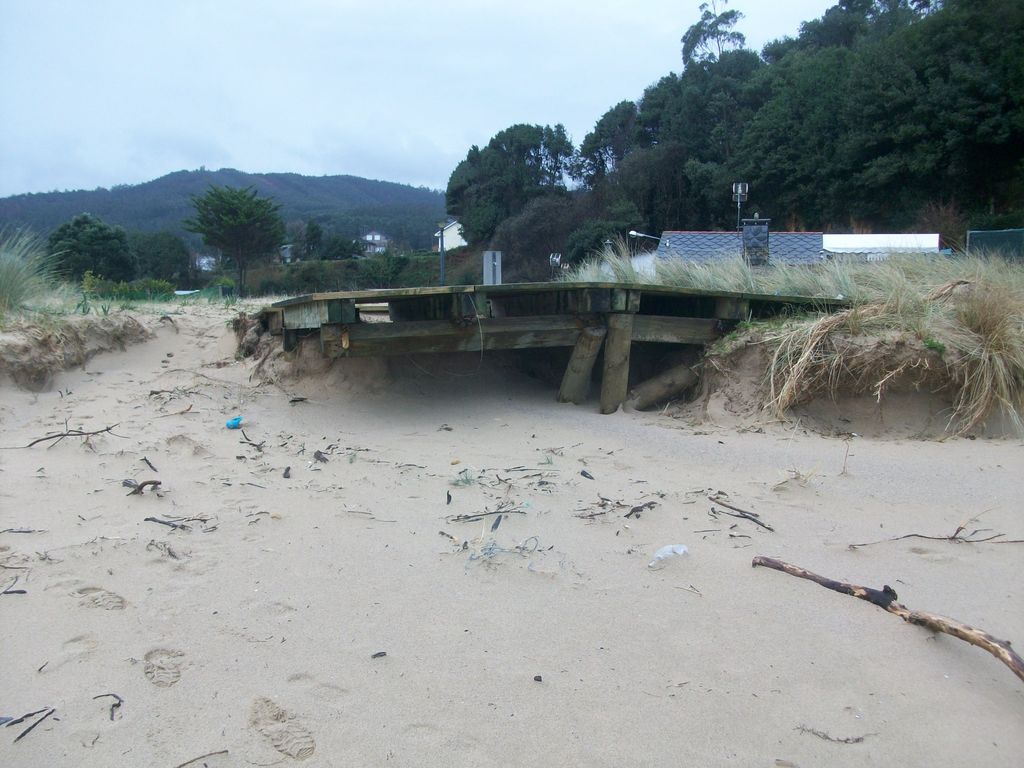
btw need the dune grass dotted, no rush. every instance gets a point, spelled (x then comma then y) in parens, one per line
(934, 320)
(27, 271)
(938, 322)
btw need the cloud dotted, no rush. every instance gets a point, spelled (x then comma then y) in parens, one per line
(118, 91)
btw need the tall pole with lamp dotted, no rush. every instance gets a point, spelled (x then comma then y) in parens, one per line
(644, 261)
(634, 234)
(440, 248)
(740, 191)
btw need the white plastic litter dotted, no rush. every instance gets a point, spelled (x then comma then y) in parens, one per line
(666, 552)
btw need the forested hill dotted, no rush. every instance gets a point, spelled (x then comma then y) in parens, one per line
(344, 205)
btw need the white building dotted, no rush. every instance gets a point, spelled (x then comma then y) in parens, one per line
(874, 247)
(452, 236)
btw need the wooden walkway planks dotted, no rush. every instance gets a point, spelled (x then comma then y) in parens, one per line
(433, 336)
(469, 318)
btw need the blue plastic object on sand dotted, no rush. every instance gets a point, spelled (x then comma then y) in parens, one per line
(234, 423)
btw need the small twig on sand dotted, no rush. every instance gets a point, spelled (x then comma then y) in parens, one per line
(956, 537)
(503, 509)
(693, 589)
(29, 730)
(740, 513)
(201, 757)
(635, 511)
(994, 539)
(197, 759)
(886, 597)
(835, 740)
(58, 436)
(150, 464)
(138, 488)
(9, 589)
(168, 523)
(24, 717)
(115, 705)
(247, 441)
(176, 413)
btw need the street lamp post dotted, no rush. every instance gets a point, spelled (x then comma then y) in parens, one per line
(634, 234)
(440, 248)
(740, 191)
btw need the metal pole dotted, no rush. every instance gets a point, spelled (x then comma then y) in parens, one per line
(738, 204)
(441, 249)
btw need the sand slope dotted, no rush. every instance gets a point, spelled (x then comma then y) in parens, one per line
(250, 635)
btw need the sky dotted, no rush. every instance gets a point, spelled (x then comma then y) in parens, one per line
(103, 92)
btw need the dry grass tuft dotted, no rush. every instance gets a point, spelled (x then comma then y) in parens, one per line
(989, 337)
(27, 270)
(964, 335)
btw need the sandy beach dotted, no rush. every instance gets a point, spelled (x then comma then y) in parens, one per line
(304, 590)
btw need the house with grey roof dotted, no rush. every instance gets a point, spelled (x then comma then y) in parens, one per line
(784, 247)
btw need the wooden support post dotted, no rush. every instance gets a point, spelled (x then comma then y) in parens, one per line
(576, 382)
(615, 377)
(274, 321)
(341, 311)
(625, 301)
(730, 308)
(480, 304)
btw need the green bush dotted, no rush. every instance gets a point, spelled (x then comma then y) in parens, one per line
(145, 289)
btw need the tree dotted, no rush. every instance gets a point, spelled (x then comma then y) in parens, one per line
(87, 243)
(614, 135)
(238, 222)
(492, 184)
(314, 240)
(713, 34)
(529, 237)
(160, 255)
(337, 247)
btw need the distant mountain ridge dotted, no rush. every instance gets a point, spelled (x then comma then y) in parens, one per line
(345, 205)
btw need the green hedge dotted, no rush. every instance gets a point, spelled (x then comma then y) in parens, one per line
(145, 289)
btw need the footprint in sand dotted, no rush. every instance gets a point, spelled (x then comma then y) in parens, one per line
(75, 650)
(285, 734)
(163, 667)
(101, 598)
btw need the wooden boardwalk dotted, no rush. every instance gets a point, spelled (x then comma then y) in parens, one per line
(469, 318)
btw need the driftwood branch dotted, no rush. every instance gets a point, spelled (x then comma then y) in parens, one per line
(886, 598)
(72, 433)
